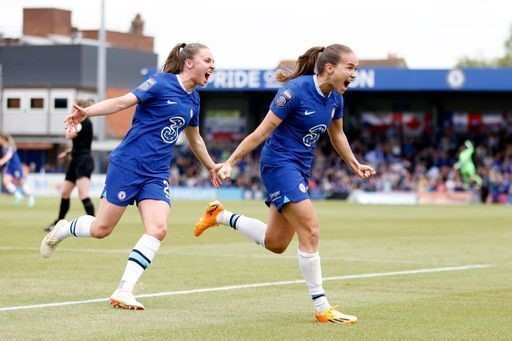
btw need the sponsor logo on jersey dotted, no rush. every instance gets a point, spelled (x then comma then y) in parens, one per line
(171, 102)
(170, 134)
(313, 135)
(307, 113)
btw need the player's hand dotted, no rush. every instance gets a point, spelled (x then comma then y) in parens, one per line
(64, 154)
(225, 171)
(365, 171)
(72, 121)
(214, 178)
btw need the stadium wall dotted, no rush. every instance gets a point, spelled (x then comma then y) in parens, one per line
(48, 185)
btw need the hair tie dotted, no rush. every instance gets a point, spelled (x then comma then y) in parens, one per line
(322, 49)
(183, 45)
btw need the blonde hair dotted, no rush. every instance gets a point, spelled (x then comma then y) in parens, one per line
(176, 59)
(9, 141)
(313, 61)
(84, 102)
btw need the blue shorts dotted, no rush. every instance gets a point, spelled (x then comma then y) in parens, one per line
(15, 170)
(284, 184)
(124, 187)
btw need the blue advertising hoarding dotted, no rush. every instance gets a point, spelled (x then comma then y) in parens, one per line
(377, 79)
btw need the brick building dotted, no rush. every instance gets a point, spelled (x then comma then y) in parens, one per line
(54, 63)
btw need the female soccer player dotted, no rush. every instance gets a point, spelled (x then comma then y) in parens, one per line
(13, 177)
(167, 104)
(308, 105)
(79, 170)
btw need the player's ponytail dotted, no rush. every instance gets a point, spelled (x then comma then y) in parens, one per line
(313, 61)
(179, 53)
(305, 65)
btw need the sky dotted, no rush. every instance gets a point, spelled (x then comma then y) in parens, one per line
(258, 34)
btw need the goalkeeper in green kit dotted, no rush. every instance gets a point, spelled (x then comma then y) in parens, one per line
(466, 165)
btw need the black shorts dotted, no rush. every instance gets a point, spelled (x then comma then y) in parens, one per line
(80, 167)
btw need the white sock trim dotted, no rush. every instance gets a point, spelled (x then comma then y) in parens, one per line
(79, 227)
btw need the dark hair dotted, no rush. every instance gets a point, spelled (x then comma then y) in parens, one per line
(313, 61)
(179, 53)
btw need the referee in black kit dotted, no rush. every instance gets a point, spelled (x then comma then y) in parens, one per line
(80, 167)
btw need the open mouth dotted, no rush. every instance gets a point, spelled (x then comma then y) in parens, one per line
(346, 83)
(207, 76)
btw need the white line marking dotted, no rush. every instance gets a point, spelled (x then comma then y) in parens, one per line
(256, 285)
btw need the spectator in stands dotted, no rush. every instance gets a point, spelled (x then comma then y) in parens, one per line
(166, 104)
(308, 105)
(80, 168)
(14, 179)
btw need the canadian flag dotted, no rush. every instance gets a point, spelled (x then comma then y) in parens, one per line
(413, 124)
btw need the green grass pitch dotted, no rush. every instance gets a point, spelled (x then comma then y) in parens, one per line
(407, 272)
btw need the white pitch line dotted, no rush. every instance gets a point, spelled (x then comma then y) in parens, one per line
(255, 285)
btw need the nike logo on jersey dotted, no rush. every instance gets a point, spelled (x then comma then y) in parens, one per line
(171, 102)
(309, 112)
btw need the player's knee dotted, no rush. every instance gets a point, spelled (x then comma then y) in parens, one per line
(159, 231)
(65, 194)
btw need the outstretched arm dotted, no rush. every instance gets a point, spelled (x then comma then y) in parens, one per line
(8, 155)
(340, 143)
(105, 107)
(253, 140)
(198, 147)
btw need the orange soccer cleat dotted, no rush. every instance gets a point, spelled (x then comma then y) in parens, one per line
(209, 218)
(334, 316)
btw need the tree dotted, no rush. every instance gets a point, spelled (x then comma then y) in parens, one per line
(467, 62)
(505, 61)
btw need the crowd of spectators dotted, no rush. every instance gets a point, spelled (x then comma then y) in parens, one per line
(423, 163)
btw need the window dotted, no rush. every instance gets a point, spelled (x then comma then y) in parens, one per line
(13, 103)
(37, 103)
(60, 103)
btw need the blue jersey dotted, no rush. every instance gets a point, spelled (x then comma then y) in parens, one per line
(306, 115)
(164, 111)
(14, 166)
